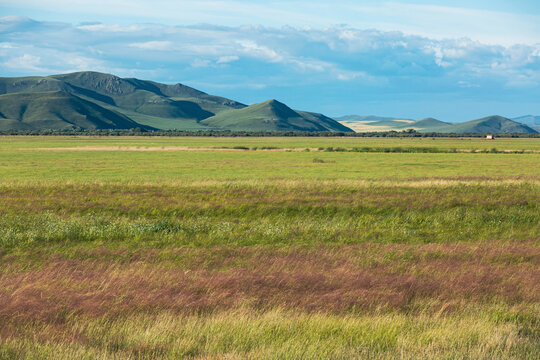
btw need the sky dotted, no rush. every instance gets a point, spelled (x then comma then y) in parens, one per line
(452, 60)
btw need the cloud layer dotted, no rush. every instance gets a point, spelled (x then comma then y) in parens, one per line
(338, 69)
(491, 21)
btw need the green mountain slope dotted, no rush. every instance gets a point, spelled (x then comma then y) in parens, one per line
(430, 122)
(134, 94)
(146, 102)
(529, 120)
(57, 110)
(94, 100)
(273, 115)
(428, 125)
(491, 124)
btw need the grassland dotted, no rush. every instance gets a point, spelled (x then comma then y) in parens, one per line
(208, 251)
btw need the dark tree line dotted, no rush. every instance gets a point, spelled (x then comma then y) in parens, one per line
(227, 133)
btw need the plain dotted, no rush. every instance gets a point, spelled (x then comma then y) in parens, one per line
(273, 248)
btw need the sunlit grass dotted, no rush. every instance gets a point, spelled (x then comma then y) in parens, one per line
(279, 334)
(269, 254)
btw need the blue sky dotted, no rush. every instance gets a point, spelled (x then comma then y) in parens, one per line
(454, 60)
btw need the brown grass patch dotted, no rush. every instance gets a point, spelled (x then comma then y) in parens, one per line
(329, 279)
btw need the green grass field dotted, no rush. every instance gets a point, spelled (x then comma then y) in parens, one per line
(235, 248)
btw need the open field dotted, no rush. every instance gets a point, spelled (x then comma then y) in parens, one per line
(15, 142)
(195, 253)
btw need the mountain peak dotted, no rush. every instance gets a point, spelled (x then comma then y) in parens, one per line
(274, 103)
(276, 109)
(272, 115)
(430, 121)
(100, 82)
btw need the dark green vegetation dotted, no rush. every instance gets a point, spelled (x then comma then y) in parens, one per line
(196, 248)
(488, 125)
(91, 100)
(209, 132)
(56, 110)
(272, 115)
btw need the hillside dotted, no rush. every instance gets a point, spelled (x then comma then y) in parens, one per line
(428, 125)
(92, 100)
(429, 122)
(146, 102)
(57, 110)
(529, 120)
(273, 115)
(490, 124)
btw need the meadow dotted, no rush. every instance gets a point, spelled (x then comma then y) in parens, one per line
(269, 248)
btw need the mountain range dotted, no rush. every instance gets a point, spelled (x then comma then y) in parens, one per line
(93, 100)
(490, 124)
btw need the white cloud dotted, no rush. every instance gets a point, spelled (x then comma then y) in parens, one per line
(153, 45)
(439, 55)
(227, 59)
(348, 76)
(487, 22)
(251, 48)
(111, 28)
(25, 62)
(443, 22)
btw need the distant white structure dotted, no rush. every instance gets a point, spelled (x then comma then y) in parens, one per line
(490, 137)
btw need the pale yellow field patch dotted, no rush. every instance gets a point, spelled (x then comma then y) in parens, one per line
(364, 126)
(367, 126)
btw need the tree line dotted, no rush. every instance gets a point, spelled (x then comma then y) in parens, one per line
(228, 133)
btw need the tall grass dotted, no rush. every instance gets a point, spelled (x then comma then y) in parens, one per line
(244, 215)
(276, 334)
(375, 249)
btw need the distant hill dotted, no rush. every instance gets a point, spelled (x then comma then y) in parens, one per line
(429, 124)
(490, 124)
(273, 115)
(91, 100)
(369, 123)
(529, 120)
